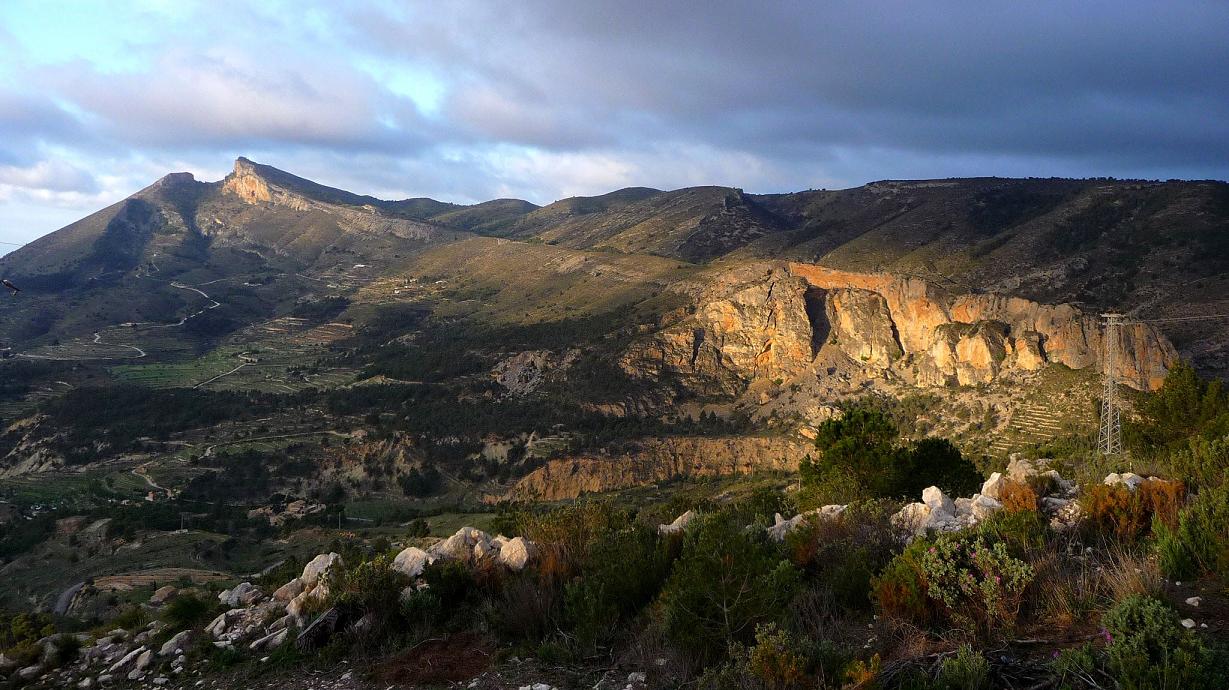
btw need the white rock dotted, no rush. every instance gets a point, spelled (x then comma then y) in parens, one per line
(459, 546)
(411, 561)
(680, 523)
(270, 641)
(1188, 623)
(984, 506)
(1132, 480)
(939, 503)
(912, 518)
(1194, 601)
(218, 626)
(1021, 469)
(516, 553)
(30, 672)
(135, 674)
(317, 567)
(177, 642)
(992, 486)
(290, 590)
(146, 658)
(127, 659)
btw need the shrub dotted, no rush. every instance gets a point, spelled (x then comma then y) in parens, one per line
(1126, 514)
(1017, 497)
(900, 590)
(1200, 541)
(727, 581)
(860, 458)
(775, 662)
(979, 584)
(565, 535)
(1074, 664)
(841, 555)
(608, 589)
(371, 587)
(1150, 649)
(1025, 533)
(188, 611)
(968, 670)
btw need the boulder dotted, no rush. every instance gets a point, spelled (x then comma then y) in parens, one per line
(992, 486)
(983, 506)
(177, 642)
(126, 660)
(411, 561)
(317, 567)
(271, 641)
(913, 518)
(1021, 469)
(162, 595)
(516, 553)
(459, 546)
(289, 591)
(244, 594)
(30, 672)
(218, 626)
(680, 523)
(144, 660)
(939, 503)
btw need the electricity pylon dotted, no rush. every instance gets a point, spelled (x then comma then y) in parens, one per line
(1109, 440)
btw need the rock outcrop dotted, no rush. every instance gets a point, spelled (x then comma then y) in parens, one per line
(657, 460)
(770, 322)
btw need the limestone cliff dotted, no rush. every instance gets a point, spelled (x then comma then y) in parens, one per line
(656, 460)
(757, 329)
(773, 324)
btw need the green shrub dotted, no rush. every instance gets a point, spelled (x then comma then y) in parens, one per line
(1200, 542)
(979, 584)
(1074, 664)
(188, 611)
(727, 581)
(371, 587)
(968, 670)
(67, 647)
(776, 661)
(860, 457)
(1149, 649)
(840, 556)
(131, 618)
(1025, 532)
(608, 590)
(900, 590)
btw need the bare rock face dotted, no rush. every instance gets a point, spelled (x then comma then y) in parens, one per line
(659, 460)
(769, 322)
(862, 327)
(757, 329)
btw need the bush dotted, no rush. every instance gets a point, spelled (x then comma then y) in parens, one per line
(1149, 649)
(1200, 542)
(1017, 497)
(900, 590)
(727, 581)
(840, 556)
(968, 670)
(188, 611)
(1127, 515)
(981, 585)
(1025, 533)
(371, 587)
(860, 458)
(1074, 664)
(775, 662)
(608, 590)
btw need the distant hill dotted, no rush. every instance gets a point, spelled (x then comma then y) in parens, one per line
(1153, 249)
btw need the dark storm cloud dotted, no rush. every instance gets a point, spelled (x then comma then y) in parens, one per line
(474, 99)
(1133, 84)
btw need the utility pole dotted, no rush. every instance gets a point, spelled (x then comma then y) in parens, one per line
(1109, 440)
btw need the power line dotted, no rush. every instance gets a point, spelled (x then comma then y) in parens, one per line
(1109, 438)
(14, 244)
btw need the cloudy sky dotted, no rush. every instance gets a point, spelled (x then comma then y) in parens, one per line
(467, 100)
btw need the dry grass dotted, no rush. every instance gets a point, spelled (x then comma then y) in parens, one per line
(1017, 497)
(1126, 573)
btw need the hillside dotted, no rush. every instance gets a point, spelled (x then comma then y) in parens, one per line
(602, 323)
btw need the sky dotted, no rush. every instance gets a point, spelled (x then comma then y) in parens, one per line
(468, 100)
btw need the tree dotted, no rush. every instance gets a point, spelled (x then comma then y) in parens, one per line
(727, 581)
